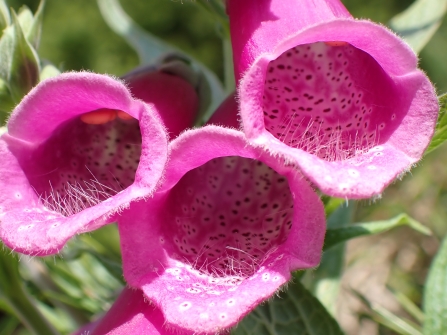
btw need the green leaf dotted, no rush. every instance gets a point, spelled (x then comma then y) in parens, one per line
(13, 293)
(35, 274)
(409, 306)
(85, 282)
(324, 282)
(386, 318)
(335, 236)
(419, 22)
(332, 204)
(150, 48)
(58, 318)
(21, 62)
(435, 294)
(5, 18)
(441, 127)
(109, 262)
(8, 325)
(295, 311)
(104, 241)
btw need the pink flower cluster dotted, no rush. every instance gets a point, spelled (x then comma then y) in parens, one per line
(213, 220)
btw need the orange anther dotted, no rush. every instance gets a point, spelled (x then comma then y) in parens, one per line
(336, 43)
(123, 115)
(99, 116)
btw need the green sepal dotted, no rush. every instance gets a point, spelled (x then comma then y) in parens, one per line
(35, 31)
(6, 102)
(31, 24)
(295, 311)
(24, 64)
(435, 294)
(48, 71)
(5, 18)
(441, 126)
(419, 22)
(338, 235)
(25, 18)
(6, 50)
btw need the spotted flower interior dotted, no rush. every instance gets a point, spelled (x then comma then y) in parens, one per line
(83, 164)
(226, 216)
(79, 148)
(330, 99)
(224, 228)
(223, 232)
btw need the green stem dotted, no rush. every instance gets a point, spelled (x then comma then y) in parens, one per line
(217, 8)
(14, 295)
(229, 80)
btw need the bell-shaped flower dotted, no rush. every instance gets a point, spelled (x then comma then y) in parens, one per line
(78, 149)
(131, 314)
(222, 233)
(176, 97)
(341, 98)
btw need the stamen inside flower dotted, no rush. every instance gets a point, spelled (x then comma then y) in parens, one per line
(336, 43)
(330, 99)
(226, 216)
(104, 115)
(99, 116)
(123, 115)
(86, 160)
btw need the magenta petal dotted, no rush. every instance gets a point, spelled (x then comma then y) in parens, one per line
(227, 113)
(175, 98)
(62, 176)
(257, 26)
(342, 99)
(222, 233)
(131, 314)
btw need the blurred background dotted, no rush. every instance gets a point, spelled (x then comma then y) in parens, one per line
(86, 278)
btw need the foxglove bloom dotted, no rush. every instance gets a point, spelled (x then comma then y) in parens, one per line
(222, 232)
(341, 98)
(176, 99)
(131, 314)
(78, 149)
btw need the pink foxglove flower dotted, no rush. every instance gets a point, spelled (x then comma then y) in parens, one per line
(222, 233)
(175, 98)
(78, 149)
(131, 314)
(341, 98)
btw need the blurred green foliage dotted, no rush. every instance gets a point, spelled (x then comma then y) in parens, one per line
(75, 36)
